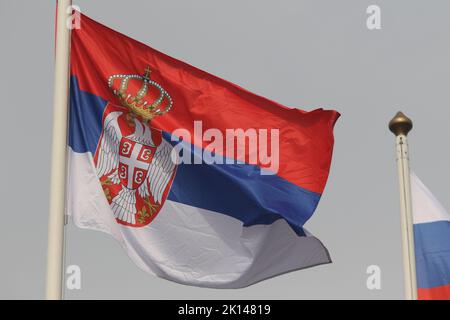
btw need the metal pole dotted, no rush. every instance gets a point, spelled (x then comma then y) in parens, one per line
(400, 125)
(55, 251)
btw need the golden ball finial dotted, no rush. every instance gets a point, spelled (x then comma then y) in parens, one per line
(400, 124)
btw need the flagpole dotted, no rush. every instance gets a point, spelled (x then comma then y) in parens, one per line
(400, 125)
(55, 251)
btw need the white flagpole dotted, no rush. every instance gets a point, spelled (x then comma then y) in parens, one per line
(55, 253)
(400, 125)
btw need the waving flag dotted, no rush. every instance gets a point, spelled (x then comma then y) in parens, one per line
(432, 243)
(147, 165)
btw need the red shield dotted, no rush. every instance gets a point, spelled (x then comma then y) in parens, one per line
(134, 160)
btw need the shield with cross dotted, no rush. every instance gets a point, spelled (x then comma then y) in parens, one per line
(134, 162)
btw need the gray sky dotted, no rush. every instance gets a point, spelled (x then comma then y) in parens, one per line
(306, 54)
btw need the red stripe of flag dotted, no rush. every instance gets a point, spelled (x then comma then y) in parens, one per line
(306, 138)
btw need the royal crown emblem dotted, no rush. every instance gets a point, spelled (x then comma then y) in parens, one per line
(144, 103)
(133, 161)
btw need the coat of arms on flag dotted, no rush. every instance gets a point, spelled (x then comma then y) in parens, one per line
(133, 162)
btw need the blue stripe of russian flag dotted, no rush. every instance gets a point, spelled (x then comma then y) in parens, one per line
(237, 190)
(432, 244)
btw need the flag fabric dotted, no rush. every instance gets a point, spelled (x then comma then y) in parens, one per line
(432, 243)
(216, 218)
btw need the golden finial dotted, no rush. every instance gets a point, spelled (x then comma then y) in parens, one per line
(400, 124)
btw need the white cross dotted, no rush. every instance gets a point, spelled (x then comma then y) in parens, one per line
(132, 162)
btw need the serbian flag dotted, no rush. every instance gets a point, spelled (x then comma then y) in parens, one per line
(201, 182)
(432, 243)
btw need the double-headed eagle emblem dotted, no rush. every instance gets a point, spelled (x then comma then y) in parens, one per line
(133, 161)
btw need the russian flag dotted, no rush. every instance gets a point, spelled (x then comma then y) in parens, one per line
(432, 243)
(227, 223)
